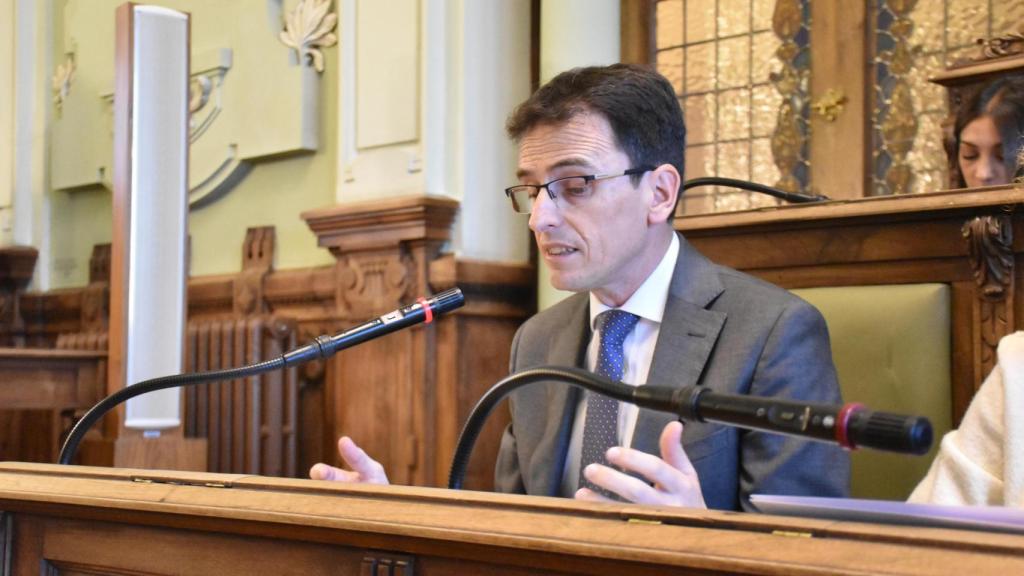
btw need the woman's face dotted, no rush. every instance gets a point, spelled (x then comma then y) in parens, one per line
(981, 154)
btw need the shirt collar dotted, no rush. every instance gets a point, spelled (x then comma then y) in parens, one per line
(649, 300)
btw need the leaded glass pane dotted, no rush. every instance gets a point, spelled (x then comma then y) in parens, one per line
(670, 64)
(737, 73)
(669, 24)
(733, 17)
(734, 62)
(700, 114)
(700, 20)
(700, 72)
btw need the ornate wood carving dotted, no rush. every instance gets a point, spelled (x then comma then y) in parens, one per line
(257, 261)
(1000, 46)
(17, 264)
(990, 250)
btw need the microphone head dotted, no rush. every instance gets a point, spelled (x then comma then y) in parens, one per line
(446, 301)
(891, 432)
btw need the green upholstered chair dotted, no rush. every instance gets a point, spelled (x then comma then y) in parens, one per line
(891, 346)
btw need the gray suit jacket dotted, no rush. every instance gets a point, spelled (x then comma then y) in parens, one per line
(722, 329)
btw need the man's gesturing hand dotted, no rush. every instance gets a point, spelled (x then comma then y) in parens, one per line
(365, 470)
(675, 481)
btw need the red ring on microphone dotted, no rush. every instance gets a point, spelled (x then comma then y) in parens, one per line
(428, 313)
(843, 420)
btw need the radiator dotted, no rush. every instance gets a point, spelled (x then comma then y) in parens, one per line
(250, 424)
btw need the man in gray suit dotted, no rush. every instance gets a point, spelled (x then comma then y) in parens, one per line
(600, 171)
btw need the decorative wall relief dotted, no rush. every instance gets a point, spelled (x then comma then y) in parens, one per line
(62, 78)
(251, 99)
(308, 28)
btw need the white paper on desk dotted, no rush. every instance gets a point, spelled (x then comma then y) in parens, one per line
(993, 518)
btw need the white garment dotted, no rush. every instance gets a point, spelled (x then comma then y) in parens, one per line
(648, 302)
(982, 462)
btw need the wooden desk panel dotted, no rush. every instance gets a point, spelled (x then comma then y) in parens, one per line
(44, 379)
(106, 521)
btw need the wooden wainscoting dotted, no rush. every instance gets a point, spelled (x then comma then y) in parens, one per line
(971, 240)
(405, 396)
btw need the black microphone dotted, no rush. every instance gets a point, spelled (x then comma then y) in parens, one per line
(851, 426)
(423, 310)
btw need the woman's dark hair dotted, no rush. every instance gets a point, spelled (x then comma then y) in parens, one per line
(1003, 101)
(639, 104)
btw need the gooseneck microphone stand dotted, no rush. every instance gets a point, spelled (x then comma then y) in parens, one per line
(851, 425)
(325, 346)
(753, 187)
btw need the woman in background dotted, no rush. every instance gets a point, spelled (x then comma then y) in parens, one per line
(982, 462)
(989, 135)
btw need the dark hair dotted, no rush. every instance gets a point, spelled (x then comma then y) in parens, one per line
(639, 104)
(1003, 100)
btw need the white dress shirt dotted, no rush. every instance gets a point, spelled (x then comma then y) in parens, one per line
(648, 302)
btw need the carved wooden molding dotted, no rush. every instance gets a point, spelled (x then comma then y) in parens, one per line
(17, 264)
(379, 224)
(1000, 46)
(257, 261)
(384, 248)
(990, 250)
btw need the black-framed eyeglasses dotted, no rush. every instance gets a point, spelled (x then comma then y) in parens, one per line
(572, 190)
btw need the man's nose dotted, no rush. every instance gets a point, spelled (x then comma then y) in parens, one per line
(544, 213)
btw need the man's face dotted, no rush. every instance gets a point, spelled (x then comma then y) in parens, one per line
(598, 245)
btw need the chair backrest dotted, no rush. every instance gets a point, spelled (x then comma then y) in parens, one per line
(891, 346)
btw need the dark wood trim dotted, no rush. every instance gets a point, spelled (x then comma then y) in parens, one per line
(636, 31)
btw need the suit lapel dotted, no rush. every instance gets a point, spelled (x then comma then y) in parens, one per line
(562, 400)
(687, 336)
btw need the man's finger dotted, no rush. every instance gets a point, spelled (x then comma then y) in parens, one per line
(671, 445)
(589, 495)
(628, 487)
(654, 469)
(325, 472)
(368, 469)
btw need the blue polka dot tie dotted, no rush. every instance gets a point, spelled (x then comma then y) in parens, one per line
(600, 429)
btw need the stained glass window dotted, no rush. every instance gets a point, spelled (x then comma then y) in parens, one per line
(915, 40)
(741, 69)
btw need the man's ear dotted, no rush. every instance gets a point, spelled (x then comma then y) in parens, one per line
(665, 182)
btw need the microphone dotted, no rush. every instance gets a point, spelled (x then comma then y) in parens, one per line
(423, 310)
(851, 426)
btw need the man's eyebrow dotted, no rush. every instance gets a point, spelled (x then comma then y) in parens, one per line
(572, 162)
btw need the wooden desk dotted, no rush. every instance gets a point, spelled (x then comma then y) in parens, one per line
(45, 379)
(117, 521)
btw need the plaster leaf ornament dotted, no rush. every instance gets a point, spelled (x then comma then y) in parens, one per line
(308, 28)
(62, 78)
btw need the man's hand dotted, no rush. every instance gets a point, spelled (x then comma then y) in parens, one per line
(365, 470)
(675, 480)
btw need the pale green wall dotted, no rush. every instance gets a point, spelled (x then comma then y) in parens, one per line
(274, 193)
